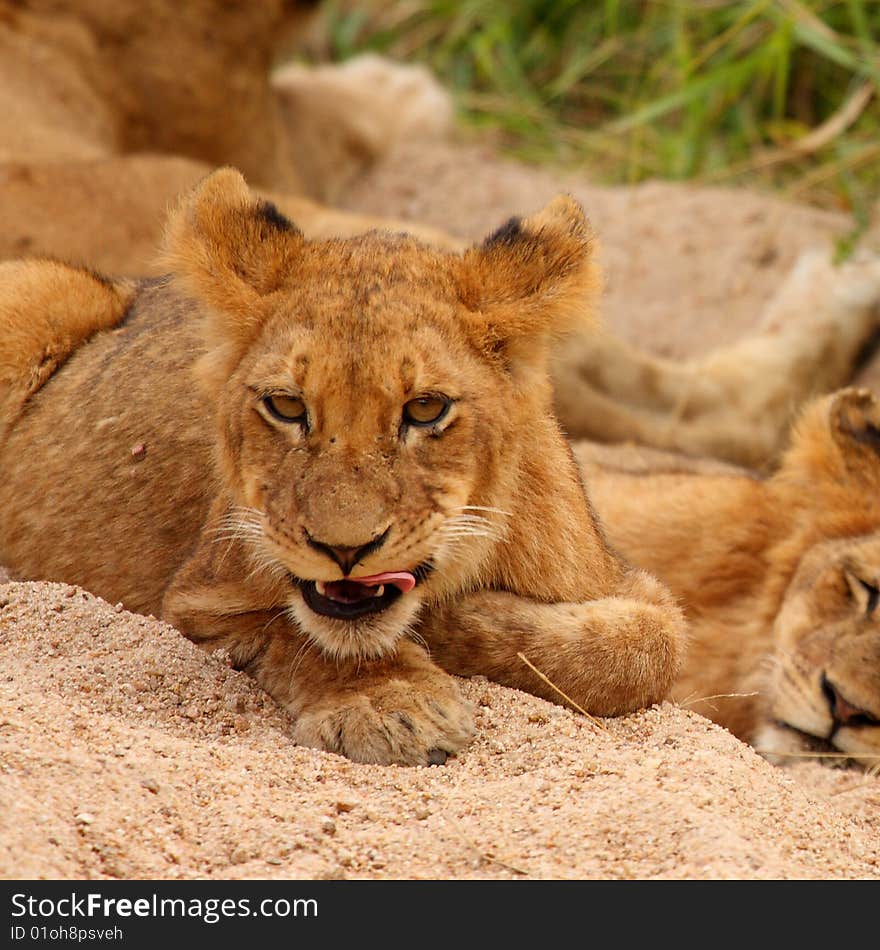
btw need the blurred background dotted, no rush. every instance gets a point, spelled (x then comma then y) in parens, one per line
(711, 142)
(767, 93)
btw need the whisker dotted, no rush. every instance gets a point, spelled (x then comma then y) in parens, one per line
(261, 562)
(299, 657)
(237, 535)
(470, 534)
(471, 521)
(239, 524)
(418, 639)
(467, 529)
(232, 528)
(495, 511)
(273, 618)
(467, 519)
(245, 525)
(708, 699)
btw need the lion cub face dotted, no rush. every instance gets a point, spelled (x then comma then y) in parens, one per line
(370, 396)
(372, 446)
(823, 685)
(824, 682)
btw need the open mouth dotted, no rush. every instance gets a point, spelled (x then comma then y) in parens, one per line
(353, 598)
(347, 600)
(816, 744)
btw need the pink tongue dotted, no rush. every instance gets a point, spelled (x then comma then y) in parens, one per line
(402, 579)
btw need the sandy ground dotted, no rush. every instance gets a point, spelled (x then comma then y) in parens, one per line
(127, 753)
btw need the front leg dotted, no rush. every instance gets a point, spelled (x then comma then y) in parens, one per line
(611, 655)
(399, 708)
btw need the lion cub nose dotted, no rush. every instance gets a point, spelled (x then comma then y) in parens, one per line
(346, 556)
(842, 712)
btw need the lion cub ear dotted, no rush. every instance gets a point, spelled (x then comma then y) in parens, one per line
(230, 250)
(534, 278)
(854, 421)
(836, 444)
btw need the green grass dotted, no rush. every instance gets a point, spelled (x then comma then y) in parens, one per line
(780, 93)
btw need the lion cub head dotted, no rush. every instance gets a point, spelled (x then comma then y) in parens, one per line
(823, 686)
(374, 398)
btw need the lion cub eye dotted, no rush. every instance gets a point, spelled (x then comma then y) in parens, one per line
(426, 410)
(866, 596)
(872, 595)
(285, 408)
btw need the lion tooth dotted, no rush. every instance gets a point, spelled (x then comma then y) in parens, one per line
(379, 591)
(321, 588)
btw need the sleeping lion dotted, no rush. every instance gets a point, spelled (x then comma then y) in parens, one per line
(779, 575)
(337, 460)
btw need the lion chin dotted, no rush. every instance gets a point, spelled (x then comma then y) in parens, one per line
(348, 618)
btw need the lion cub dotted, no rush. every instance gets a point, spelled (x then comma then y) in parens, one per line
(335, 459)
(780, 576)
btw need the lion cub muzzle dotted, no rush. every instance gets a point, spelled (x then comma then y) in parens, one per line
(354, 597)
(347, 556)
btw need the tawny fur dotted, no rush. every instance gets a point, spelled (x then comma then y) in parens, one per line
(47, 310)
(348, 115)
(148, 470)
(775, 574)
(121, 77)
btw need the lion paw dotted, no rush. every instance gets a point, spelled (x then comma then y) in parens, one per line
(375, 101)
(817, 289)
(393, 723)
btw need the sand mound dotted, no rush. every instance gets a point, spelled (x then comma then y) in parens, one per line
(128, 753)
